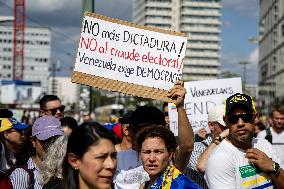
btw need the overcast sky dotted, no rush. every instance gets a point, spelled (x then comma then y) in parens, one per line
(239, 23)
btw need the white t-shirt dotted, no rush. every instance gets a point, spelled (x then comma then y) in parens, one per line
(228, 168)
(277, 143)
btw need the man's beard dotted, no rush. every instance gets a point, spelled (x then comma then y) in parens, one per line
(242, 139)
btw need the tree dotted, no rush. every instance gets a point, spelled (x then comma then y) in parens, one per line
(228, 74)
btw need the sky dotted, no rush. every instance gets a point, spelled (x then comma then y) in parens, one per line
(239, 23)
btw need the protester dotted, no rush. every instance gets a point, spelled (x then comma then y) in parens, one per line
(275, 134)
(90, 159)
(51, 167)
(51, 105)
(11, 138)
(166, 113)
(134, 175)
(201, 151)
(45, 130)
(201, 134)
(68, 124)
(126, 139)
(157, 147)
(259, 126)
(240, 160)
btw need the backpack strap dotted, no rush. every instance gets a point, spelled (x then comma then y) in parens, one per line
(31, 175)
(204, 143)
(268, 135)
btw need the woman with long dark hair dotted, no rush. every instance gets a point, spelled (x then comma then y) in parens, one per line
(90, 159)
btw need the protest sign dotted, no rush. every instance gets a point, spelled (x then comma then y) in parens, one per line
(121, 56)
(201, 96)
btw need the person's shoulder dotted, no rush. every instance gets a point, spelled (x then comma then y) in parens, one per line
(199, 145)
(19, 175)
(184, 182)
(262, 134)
(129, 152)
(222, 151)
(259, 141)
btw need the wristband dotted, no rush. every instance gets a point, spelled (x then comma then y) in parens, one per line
(218, 139)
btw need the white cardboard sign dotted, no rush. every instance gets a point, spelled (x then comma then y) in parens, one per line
(130, 54)
(201, 96)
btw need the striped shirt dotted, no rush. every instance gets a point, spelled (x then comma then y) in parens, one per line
(199, 148)
(191, 170)
(20, 177)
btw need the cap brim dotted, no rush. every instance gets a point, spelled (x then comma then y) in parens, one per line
(20, 126)
(222, 123)
(48, 134)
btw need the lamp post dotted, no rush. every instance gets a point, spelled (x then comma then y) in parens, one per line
(89, 5)
(55, 68)
(244, 64)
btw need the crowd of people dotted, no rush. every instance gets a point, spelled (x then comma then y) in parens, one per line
(57, 153)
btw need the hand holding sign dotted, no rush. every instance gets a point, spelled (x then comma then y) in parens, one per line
(178, 93)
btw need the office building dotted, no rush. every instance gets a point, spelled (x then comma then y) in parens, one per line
(199, 19)
(37, 53)
(271, 54)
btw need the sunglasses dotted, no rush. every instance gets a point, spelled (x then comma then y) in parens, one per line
(233, 119)
(54, 110)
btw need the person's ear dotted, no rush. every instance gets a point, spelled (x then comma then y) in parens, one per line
(6, 135)
(73, 161)
(41, 113)
(33, 139)
(255, 116)
(125, 129)
(225, 119)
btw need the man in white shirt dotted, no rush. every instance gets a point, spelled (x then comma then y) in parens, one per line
(240, 160)
(275, 134)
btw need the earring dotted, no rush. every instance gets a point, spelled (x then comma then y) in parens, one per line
(75, 168)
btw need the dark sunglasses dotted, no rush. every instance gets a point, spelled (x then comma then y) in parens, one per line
(54, 110)
(233, 119)
(166, 114)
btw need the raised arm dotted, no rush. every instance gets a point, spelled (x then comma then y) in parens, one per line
(185, 132)
(201, 162)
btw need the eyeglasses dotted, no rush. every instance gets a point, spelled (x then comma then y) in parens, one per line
(54, 110)
(233, 119)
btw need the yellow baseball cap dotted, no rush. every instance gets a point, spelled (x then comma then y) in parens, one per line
(5, 124)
